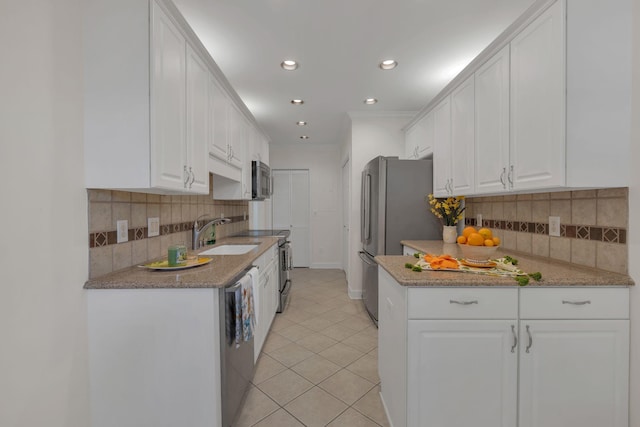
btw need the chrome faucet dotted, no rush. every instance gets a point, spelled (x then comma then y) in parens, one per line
(197, 232)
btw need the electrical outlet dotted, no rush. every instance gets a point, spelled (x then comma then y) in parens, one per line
(153, 227)
(554, 226)
(123, 230)
(479, 220)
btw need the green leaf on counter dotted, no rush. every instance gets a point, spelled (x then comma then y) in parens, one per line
(408, 265)
(416, 255)
(416, 268)
(536, 276)
(522, 280)
(509, 260)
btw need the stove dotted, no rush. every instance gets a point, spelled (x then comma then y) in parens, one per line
(284, 260)
(283, 234)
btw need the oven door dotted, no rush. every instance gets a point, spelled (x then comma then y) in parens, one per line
(285, 281)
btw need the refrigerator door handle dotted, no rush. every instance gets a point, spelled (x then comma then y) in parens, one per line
(362, 207)
(367, 209)
(365, 258)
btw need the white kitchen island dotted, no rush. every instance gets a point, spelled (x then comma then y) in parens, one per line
(459, 349)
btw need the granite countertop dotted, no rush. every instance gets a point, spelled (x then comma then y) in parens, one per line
(216, 274)
(554, 273)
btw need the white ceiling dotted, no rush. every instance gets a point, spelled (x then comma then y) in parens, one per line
(339, 44)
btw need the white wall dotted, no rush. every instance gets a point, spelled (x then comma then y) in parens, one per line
(371, 136)
(634, 227)
(43, 227)
(323, 162)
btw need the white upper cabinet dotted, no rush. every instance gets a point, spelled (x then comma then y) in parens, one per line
(197, 121)
(454, 136)
(218, 142)
(462, 138)
(168, 113)
(442, 149)
(159, 113)
(551, 102)
(492, 124)
(419, 139)
(238, 133)
(145, 100)
(538, 103)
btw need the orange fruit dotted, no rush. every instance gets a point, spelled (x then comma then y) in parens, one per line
(486, 233)
(488, 242)
(475, 239)
(468, 230)
(462, 240)
(496, 241)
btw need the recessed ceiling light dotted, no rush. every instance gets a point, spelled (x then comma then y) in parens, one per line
(370, 101)
(289, 65)
(388, 64)
(304, 137)
(297, 101)
(301, 123)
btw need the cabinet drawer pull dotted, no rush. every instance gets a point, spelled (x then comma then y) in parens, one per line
(576, 302)
(510, 176)
(452, 301)
(530, 340)
(515, 339)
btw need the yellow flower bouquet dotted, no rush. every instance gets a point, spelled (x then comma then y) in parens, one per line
(449, 210)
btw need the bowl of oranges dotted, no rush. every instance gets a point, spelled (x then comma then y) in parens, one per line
(478, 245)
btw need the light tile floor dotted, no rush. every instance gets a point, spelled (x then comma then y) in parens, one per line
(319, 364)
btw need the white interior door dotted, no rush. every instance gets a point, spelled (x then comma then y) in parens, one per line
(345, 216)
(291, 211)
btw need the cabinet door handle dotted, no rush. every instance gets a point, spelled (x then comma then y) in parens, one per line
(192, 175)
(530, 339)
(186, 176)
(510, 176)
(502, 178)
(452, 301)
(515, 339)
(576, 302)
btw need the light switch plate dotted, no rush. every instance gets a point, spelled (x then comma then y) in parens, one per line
(153, 227)
(554, 226)
(479, 220)
(123, 230)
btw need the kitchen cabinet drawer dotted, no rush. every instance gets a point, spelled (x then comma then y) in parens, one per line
(574, 303)
(463, 303)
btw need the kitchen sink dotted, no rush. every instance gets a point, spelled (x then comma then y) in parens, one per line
(229, 250)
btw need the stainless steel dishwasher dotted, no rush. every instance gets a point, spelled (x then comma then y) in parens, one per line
(236, 358)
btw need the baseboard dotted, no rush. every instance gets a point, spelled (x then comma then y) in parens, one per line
(355, 294)
(386, 411)
(326, 265)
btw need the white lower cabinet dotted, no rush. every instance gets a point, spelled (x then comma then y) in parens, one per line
(462, 373)
(265, 297)
(154, 357)
(528, 357)
(574, 373)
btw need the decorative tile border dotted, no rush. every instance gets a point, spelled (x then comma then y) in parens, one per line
(106, 238)
(580, 232)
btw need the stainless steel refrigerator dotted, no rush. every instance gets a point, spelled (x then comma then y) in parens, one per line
(393, 208)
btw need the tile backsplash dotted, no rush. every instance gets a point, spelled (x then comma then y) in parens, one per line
(177, 215)
(593, 225)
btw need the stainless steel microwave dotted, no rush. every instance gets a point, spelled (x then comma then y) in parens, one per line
(260, 180)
